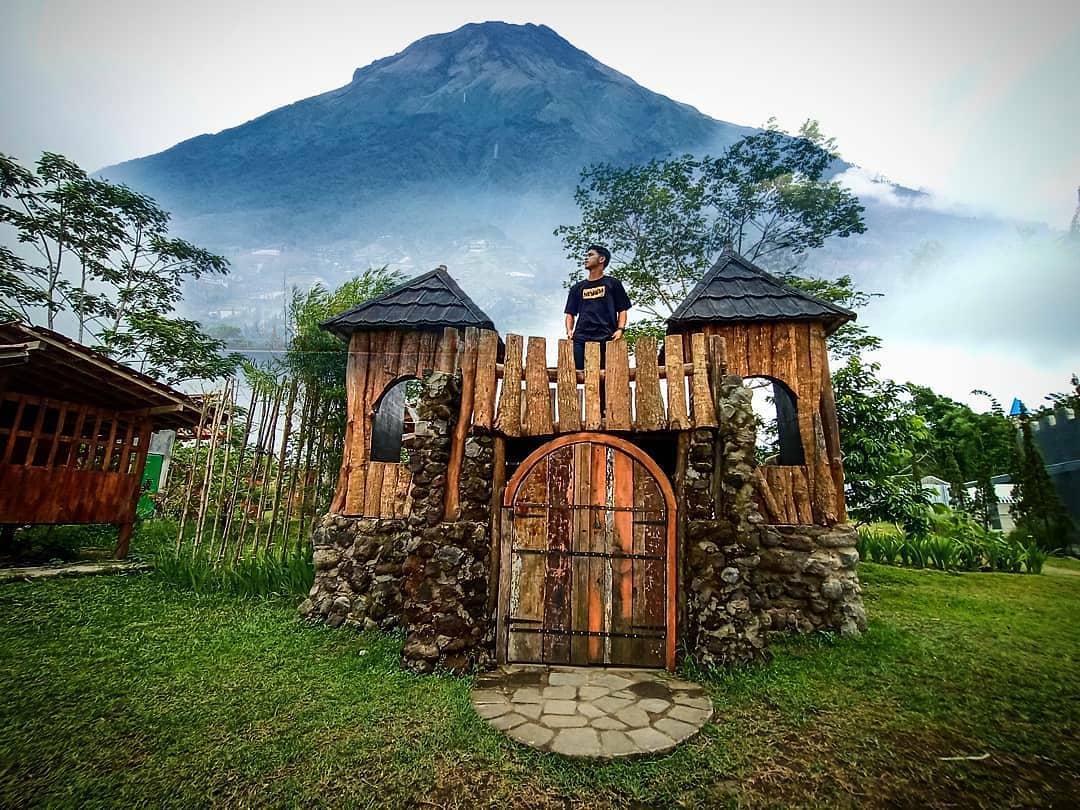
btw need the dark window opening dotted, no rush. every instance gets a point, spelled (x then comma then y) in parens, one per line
(394, 423)
(777, 410)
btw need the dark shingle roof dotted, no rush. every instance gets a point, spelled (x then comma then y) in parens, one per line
(431, 300)
(736, 289)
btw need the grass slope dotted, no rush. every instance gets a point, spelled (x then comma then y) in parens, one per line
(119, 691)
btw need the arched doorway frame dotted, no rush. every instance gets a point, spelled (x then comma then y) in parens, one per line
(636, 453)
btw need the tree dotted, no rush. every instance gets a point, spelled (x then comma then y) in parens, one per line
(666, 221)
(106, 258)
(879, 427)
(1038, 508)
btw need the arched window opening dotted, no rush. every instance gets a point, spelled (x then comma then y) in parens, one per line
(395, 421)
(777, 410)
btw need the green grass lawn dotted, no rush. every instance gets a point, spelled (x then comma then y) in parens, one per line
(121, 691)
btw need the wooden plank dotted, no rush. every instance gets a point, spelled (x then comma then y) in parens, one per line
(579, 611)
(35, 434)
(391, 476)
(530, 520)
(509, 419)
(498, 486)
(774, 513)
(599, 567)
(425, 358)
(506, 558)
(409, 354)
(356, 439)
(648, 405)
(800, 489)
(446, 355)
(58, 435)
(783, 353)
(593, 410)
(822, 488)
(373, 489)
(622, 571)
(558, 584)
(452, 503)
(678, 419)
(569, 403)
(538, 418)
(807, 386)
(651, 594)
(704, 409)
(617, 386)
(830, 427)
(19, 409)
(484, 398)
(790, 505)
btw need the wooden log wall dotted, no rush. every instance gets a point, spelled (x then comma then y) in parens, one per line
(795, 354)
(376, 360)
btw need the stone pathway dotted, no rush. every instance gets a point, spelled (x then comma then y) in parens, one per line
(592, 712)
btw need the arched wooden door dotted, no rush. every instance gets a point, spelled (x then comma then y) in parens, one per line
(588, 557)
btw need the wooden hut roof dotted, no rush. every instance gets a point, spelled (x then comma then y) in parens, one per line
(432, 300)
(40, 362)
(736, 289)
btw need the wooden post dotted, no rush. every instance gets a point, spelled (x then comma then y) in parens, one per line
(452, 502)
(538, 421)
(231, 397)
(649, 406)
(238, 473)
(593, 411)
(189, 479)
(498, 486)
(569, 403)
(673, 355)
(484, 398)
(446, 355)
(290, 404)
(704, 409)
(509, 419)
(617, 388)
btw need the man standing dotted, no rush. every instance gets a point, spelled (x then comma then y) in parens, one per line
(599, 305)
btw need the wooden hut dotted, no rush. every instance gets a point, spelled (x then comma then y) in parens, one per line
(775, 331)
(74, 431)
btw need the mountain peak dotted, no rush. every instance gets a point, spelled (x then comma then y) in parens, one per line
(529, 48)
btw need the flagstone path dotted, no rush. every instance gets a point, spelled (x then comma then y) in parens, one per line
(592, 712)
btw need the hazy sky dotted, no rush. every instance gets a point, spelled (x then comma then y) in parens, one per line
(975, 101)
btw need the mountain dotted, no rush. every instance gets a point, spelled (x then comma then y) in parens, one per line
(488, 108)
(464, 149)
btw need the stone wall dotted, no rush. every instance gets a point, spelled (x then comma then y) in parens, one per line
(724, 611)
(358, 572)
(807, 576)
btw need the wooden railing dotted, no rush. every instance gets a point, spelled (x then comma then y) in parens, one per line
(523, 396)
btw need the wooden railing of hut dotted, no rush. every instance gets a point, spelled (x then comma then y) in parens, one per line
(523, 397)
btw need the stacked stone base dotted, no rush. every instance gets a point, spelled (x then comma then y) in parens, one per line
(808, 581)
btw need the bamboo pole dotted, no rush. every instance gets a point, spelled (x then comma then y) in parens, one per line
(290, 495)
(271, 438)
(307, 467)
(204, 495)
(290, 403)
(264, 400)
(230, 398)
(238, 473)
(189, 479)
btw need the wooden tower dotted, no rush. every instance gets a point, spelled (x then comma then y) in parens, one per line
(777, 332)
(394, 338)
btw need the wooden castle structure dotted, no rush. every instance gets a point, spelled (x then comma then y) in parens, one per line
(586, 477)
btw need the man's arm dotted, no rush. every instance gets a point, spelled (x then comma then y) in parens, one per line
(569, 325)
(621, 328)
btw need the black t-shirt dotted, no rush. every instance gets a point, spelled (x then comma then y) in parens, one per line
(597, 305)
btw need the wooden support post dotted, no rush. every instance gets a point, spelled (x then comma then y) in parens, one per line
(498, 486)
(593, 411)
(649, 406)
(452, 502)
(704, 409)
(484, 400)
(617, 387)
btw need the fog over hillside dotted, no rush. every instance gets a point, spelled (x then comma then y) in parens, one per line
(464, 150)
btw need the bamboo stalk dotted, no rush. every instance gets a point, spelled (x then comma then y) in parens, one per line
(307, 468)
(263, 399)
(204, 495)
(290, 403)
(290, 495)
(238, 473)
(271, 438)
(189, 480)
(230, 398)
